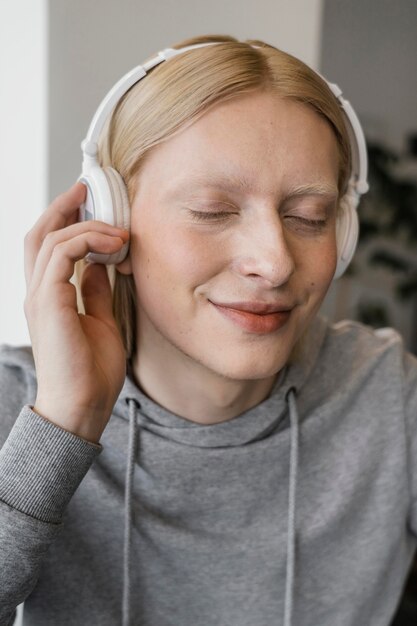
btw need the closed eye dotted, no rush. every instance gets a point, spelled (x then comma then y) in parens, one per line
(304, 222)
(203, 216)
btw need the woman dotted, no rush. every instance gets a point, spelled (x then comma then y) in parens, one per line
(269, 456)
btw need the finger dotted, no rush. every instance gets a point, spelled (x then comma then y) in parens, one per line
(55, 238)
(60, 213)
(63, 209)
(96, 292)
(65, 254)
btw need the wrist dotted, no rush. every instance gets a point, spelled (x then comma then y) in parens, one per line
(76, 422)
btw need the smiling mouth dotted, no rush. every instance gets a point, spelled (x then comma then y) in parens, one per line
(254, 322)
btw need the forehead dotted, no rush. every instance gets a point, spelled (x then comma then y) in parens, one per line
(250, 143)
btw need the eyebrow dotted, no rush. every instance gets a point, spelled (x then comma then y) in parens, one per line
(241, 183)
(314, 189)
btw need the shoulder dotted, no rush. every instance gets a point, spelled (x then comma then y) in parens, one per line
(357, 370)
(356, 338)
(17, 364)
(359, 352)
(17, 384)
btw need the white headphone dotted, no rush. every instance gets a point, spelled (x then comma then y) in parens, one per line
(107, 198)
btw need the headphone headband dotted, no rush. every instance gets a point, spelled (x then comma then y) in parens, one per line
(107, 195)
(357, 141)
(358, 181)
(89, 145)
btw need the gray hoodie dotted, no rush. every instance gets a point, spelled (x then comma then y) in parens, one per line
(301, 511)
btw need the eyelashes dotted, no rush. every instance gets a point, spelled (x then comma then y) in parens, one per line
(295, 221)
(312, 225)
(204, 216)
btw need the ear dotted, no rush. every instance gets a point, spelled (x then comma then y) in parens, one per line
(125, 267)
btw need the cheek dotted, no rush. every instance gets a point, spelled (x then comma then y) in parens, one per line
(172, 260)
(322, 267)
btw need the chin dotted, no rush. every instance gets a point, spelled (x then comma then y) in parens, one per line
(247, 369)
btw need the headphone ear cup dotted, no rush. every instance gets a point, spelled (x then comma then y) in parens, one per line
(347, 231)
(107, 201)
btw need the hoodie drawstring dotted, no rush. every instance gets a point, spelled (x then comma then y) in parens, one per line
(289, 580)
(291, 535)
(130, 469)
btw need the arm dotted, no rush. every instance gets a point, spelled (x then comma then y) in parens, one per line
(41, 466)
(80, 367)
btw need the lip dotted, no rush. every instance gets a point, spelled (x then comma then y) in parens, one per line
(266, 319)
(260, 308)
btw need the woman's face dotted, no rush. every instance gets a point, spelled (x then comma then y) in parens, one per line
(234, 214)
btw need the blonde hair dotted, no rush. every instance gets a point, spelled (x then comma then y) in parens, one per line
(176, 93)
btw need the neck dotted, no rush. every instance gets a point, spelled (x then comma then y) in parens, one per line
(194, 392)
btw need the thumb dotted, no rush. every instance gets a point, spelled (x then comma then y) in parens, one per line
(96, 292)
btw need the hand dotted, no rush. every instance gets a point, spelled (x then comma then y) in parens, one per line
(80, 359)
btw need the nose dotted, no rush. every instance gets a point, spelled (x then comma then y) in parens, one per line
(263, 253)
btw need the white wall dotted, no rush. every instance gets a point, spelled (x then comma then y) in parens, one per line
(23, 132)
(59, 58)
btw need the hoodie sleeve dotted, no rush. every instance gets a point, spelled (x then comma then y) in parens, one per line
(41, 466)
(411, 432)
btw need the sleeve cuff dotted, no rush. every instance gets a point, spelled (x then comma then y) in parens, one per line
(41, 466)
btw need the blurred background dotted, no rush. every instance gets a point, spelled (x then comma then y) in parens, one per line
(58, 59)
(369, 47)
